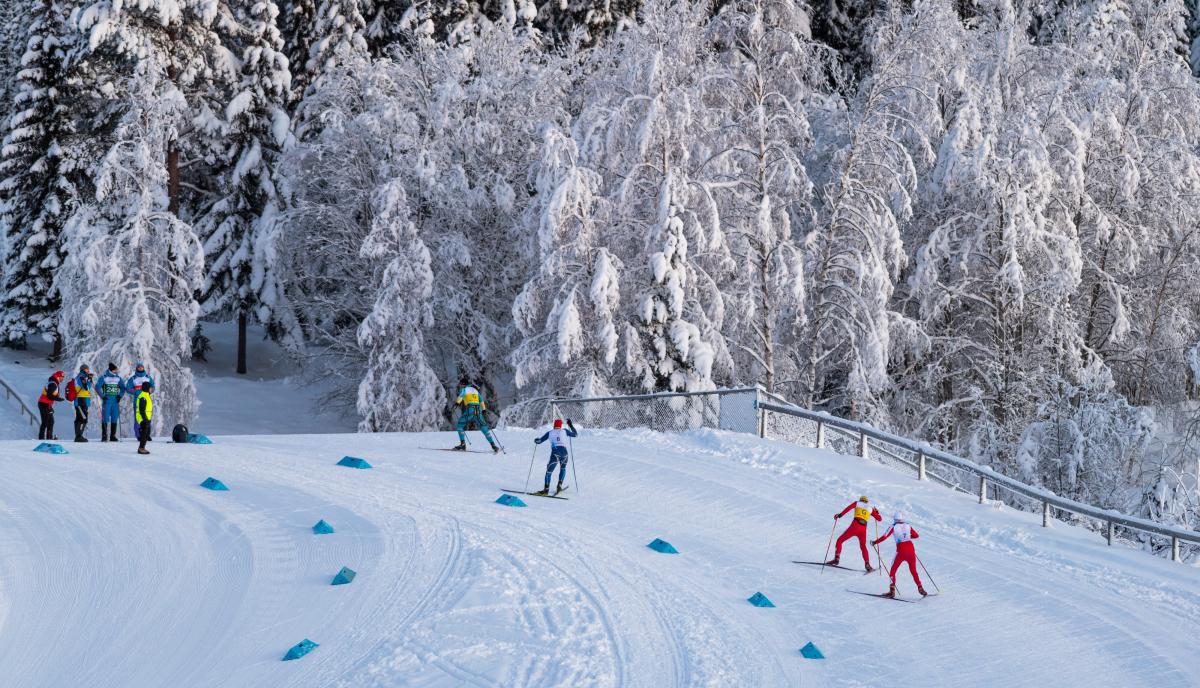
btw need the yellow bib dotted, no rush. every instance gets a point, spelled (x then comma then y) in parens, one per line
(861, 513)
(137, 408)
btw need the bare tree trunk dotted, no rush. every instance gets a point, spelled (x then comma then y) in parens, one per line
(241, 345)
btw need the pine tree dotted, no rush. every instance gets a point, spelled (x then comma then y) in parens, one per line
(400, 391)
(41, 168)
(240, 280)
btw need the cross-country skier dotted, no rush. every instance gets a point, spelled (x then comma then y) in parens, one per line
(905, 552)
(133, 387)
(858, 528)
(83, 400)
(558, 452)
(143, 412)
(473, 408)
(111, 388)
(46, 405)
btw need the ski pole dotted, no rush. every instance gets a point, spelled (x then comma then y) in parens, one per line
(529, 473)
(931, 580)
(574, 475)
(878, 554)
(827, 544)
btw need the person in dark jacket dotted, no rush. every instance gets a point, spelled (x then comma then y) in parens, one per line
(143, 412)
(46, 405)
(84, 382)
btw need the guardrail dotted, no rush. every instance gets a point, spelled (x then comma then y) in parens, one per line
(10, 393)
(923, 454)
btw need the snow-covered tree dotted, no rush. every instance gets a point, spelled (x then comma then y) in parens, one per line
(338, 31)
(132, 266)
(41, 167)
(241, 279)
(400, 390)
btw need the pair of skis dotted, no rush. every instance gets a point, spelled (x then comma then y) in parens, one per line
(860, 592)
(538, 494)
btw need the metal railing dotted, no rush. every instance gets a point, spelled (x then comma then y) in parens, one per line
(10, 393)
(824, 431)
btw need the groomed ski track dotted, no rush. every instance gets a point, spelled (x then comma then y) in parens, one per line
(119, 570)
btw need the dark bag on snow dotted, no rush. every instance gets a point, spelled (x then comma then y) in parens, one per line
(180, 434)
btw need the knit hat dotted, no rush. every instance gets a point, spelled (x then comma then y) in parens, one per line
(864, 499)
(558, 423)
(58, 375)
(112, 367)
(898, 517)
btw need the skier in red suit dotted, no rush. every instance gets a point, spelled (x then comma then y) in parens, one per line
(905, 552)
(858, 528)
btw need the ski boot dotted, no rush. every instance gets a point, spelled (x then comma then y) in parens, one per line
(833, 561)
(922, 591)
(112, 433)
(870, 568)
(143, 451)
(559, 488)
(103, 432)
(495, 448)
(462, 446)
(891, 591)
(544, 492)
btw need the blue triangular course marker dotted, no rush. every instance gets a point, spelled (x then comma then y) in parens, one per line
(193, 438)
(50, 448)
(353, 462)
(322, 528)
(212, 483)
(810, 651)
(300, 649)
(344, 576)
(660, 545)
(509, 500)
(760, 600)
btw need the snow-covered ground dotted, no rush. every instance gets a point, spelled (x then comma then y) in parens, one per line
(118, 570)
(269, 399)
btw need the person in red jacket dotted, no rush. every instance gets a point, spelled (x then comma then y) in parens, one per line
(46, 405)
(905, 552)
(858, 528)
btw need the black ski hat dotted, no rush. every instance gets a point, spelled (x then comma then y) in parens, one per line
(464, 381)
(112, 367)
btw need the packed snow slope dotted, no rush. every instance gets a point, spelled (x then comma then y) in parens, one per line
(119, 570)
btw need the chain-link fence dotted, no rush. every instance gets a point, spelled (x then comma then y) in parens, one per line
(731, 409)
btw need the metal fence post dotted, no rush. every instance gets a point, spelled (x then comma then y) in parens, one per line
(1174, 548)
(820, 435)
(862, 445)
(920, 465)
(1045, 514)
(1108, 533)
(982, 489)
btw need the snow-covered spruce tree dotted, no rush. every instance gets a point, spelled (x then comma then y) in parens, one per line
(400, 391)
(296, 19)
(132, 266)
(567, 313)
(40, 165)
(767, 69)
(337, 31)
(855, 253)
(238, 230)
(14, 24)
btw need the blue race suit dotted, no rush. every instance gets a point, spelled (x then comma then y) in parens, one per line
(111, 388)
(472, 413)
(558, 452)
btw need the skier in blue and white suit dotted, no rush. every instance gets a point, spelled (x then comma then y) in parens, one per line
(558, 452)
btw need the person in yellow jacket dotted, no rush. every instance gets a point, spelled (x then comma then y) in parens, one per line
(143, 412)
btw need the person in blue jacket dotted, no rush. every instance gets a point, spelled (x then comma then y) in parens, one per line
(133, 386)
(111, 388)
(558, 452)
